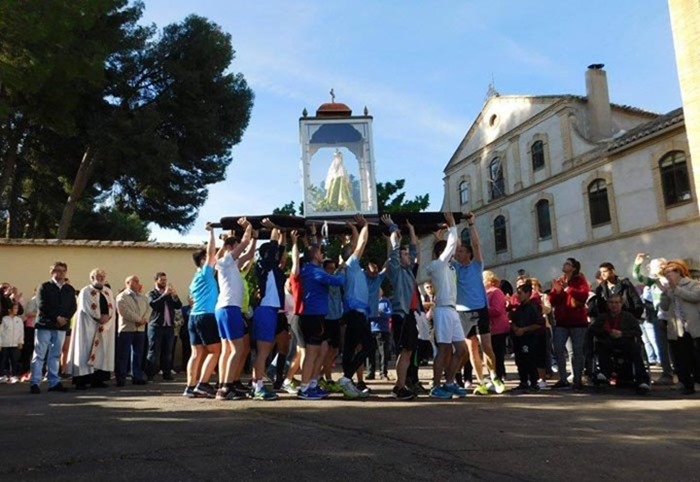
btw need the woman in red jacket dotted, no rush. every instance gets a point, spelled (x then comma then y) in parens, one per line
(568, 297)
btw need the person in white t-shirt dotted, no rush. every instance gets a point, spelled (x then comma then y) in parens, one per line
(449, 334)
(229, 318)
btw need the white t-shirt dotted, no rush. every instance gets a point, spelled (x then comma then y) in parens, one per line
(230, 282)
(272, 297)
(443, 275)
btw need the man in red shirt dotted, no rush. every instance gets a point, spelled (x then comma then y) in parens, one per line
(619, 330)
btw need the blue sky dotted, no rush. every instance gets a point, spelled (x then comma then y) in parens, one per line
(422, 68)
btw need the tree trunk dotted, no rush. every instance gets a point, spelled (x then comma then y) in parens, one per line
(87, 167)
(16, 215)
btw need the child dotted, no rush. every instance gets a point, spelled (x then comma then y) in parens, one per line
(11, 341)
(526, 321)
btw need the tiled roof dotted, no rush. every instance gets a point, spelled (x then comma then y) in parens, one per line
(661, 122)
(96, 243)
(583, 98)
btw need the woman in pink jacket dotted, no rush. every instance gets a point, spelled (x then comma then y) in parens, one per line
(568, 297)
(498, 319)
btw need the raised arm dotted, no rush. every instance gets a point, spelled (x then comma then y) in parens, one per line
(245, 240)
(295, 252)
(449, 250)
(363, 237)
(247, 256)
(474, 236)
(211, 245)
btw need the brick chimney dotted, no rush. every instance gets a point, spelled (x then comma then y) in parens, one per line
(599, 112)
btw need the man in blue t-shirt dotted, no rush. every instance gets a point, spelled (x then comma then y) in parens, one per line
(472, 307)
(202, 327)
(358, 338)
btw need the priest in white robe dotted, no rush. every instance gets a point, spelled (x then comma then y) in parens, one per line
(92, 347)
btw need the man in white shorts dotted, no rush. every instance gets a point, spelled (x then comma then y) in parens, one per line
(449, 334)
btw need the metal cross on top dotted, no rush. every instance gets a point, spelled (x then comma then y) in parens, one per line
(332, 96)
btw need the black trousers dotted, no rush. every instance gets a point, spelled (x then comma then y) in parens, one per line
(498, 342)
(524, 347)
(357, 343)
(686, 354)
(631, 351)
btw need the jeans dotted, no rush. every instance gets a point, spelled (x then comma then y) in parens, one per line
(649, 339)
(51, 342)
(129, 343)
(663, 346)
(160, 350)
(382, 345)
(578, 336)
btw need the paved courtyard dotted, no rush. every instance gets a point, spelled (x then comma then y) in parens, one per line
(153, 433)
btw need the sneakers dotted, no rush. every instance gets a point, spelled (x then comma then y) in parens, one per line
(222, 394)
(402, 393)
(542, 384)
(309, 394)
(643, 388)
(601, 378)
(561, 385)
(348, 388)
(419, 389)
(34, 389)
(440, 392)
(330, 386)
(265, 394)
(14, 380)
(320, 392)
(204, 390)
(189, 392)
(498, 386)
(4, 379)
(291, 387)
(58, 388)
(363, 388)
(481, 389)
(455, 390)
(664, 380)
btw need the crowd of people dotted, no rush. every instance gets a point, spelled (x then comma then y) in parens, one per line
(281, 320)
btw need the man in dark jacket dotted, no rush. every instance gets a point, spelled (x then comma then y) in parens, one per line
(161, 327)
(56, 306)
(611, 284)
(618, 330)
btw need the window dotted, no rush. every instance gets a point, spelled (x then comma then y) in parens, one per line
(463, 193)
(499, 234)
(537, 155)
(598, 202)
(544, 226)
(674, 178)
(465, 238)
(497, 183)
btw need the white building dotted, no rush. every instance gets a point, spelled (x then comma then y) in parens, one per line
(551, 177)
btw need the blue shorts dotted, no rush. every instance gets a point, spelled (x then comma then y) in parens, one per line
(230, 322)
(203, 330)
(265, 323)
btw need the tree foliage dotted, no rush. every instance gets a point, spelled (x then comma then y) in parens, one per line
(106, 119)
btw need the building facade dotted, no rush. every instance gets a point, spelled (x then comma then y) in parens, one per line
(551, 177)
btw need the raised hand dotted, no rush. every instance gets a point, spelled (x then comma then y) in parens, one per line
(386, 219)
(360, 221)
(450, 219)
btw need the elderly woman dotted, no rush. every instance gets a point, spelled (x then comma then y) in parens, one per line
(91, 352)
(655, 282)
(498, 320)
(681, 299)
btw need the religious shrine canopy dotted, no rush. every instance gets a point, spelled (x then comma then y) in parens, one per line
(423, 223)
